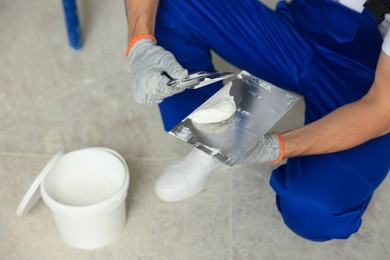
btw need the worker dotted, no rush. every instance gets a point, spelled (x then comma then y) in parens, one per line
(336, 54)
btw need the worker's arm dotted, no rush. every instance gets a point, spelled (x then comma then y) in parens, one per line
(344, 128)
(141, 17)
(349, 125)
(151, 66)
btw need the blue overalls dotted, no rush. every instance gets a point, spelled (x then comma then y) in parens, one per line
(318, 48)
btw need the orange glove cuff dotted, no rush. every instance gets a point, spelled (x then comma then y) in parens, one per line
(136, 39)
(281, 143)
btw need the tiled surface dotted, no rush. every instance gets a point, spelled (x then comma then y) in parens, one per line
(54, 98)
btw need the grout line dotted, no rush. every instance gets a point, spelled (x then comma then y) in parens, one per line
(25, 154)
(42, 155)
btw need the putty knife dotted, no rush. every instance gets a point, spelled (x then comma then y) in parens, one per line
(200, 79)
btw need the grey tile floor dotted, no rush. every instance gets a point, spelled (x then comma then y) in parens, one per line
(54, 98)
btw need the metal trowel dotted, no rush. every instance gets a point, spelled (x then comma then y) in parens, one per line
(199, 79)
(259, 106)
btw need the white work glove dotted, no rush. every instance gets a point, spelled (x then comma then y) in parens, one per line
(269, 149)
(148, 62)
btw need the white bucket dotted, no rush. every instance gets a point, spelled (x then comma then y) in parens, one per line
(86, 191)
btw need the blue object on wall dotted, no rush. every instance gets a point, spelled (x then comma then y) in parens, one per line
(72, 23)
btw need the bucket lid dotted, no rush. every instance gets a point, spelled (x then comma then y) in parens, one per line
(33, 194)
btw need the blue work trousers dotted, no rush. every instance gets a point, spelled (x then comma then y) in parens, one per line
(318, 48)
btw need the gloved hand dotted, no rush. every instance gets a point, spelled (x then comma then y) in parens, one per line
(147, 63)
(269, 149)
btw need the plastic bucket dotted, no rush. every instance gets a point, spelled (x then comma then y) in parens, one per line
(86, 192)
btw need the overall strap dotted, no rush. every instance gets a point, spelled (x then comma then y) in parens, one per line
(378, 8)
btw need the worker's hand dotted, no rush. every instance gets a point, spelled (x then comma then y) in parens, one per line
(269, 149)
(148, 62)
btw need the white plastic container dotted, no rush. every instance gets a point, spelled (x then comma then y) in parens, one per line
(86, 191)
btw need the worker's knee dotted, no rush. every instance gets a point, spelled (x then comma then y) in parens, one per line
(315, 221)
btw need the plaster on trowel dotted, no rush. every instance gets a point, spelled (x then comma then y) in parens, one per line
(259, 105)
